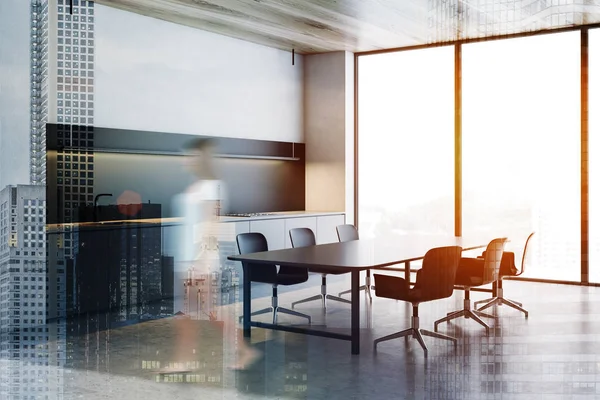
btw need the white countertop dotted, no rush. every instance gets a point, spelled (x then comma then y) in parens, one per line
(57, 228)
(282, 214)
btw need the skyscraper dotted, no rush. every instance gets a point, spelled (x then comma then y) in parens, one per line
(62, 92)
(62, 72)
(24, 341)
(39, 90)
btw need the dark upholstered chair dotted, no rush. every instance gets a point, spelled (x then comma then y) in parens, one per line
(473, 272)
(435, 280)
(347, 233)
(507, 258)
(302, 237)
(255, 242)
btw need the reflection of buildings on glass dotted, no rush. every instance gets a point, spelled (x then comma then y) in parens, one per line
(199, 362)
(230, 270)
(167, 350)
(457, 19)
(214, 283)
(201, 295)
(118, 276)
(296, 369)
(119, 268)
(24, 345)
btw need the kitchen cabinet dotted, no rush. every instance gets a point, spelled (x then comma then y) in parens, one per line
(274, 231)
(326, 228)
(302, 222)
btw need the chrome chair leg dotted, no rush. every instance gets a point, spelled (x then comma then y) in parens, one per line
(480, 321)
(516, 307)
(439, 336)
(449, 317)
(316, 297)
(515, 302)
(367, 287)
(406, 332)
(499, 301)
(292, 312)
(482, 314)
(336, 298)
(363, 287)
(483, 301)
(259, 312)
(496, 300)
(454, 312)
(323, 296)
(490, 303)
(462, 313)
(417, 335)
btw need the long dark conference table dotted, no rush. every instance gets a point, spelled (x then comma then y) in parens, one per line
(350, 257)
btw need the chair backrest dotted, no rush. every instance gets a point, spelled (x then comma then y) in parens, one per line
(437, 275)
(346, 233)
(255, 242)
(527, 245)
(302, 237)
(492, 260)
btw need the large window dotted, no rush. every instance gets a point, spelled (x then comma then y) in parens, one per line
(521, 147)
(594, 154)
(406, 142)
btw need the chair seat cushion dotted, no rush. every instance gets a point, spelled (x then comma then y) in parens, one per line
(393, 287)
(291, 279)
(507, 264)
(470, 272)
(325, 270)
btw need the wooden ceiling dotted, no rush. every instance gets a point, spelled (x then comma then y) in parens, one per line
(317, 26)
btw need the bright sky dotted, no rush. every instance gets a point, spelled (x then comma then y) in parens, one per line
(521, 134)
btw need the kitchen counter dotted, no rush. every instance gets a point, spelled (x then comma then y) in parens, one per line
(58, 228)
(282, 214)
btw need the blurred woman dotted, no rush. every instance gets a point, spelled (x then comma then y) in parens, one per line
(202, 203)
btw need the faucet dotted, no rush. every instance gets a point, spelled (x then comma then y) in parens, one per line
(95, 218)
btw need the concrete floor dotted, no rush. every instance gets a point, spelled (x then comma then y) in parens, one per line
(554, 354)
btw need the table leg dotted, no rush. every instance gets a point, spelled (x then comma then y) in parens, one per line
(407, 274)
(355, 323)
(247, 301)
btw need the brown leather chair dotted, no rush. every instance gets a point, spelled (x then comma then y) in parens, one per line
(499, 299)
(435, 280)
(473, 272)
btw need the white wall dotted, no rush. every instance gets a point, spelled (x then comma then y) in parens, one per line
(159, 76)
(329, 132)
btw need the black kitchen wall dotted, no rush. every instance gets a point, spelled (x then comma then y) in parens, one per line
(84, 162)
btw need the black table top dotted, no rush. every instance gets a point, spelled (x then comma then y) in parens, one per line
(360, 254)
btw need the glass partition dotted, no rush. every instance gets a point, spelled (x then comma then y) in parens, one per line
(521, 147)
(406, 142)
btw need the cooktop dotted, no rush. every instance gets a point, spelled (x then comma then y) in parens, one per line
(247, 214)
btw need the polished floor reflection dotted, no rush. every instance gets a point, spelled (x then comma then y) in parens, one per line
(555, 354)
